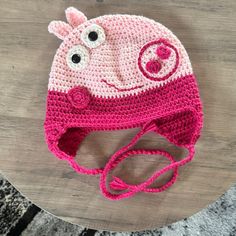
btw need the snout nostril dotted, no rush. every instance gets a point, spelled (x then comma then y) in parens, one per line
(163, 52)
(153, 66)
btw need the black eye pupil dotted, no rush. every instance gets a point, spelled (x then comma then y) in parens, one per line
(93, 36)
(76, 58)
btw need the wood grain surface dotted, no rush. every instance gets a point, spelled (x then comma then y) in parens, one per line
(206, 29)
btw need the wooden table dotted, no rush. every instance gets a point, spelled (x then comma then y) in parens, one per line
(207, 30)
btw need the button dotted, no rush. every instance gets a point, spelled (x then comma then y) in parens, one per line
(93, 36)
(76, 58)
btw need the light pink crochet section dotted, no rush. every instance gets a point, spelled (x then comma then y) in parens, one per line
(112, 70)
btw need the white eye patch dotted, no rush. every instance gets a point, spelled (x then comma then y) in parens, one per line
(77, 57)
(93, 36)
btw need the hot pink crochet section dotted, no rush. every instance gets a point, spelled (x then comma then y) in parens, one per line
(176, 108)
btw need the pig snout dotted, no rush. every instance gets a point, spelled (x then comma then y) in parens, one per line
(158, 60)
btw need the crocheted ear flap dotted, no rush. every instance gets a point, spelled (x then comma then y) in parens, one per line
(70, 140)
(180, 127)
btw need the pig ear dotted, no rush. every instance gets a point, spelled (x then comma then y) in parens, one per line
(59, 28)
(75, 17)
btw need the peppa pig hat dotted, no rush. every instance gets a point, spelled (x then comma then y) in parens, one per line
(119, 72)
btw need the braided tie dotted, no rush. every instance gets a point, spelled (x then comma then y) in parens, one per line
(118, 184)
(127, 152)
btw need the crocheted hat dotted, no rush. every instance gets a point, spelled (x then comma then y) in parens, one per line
(120, 72)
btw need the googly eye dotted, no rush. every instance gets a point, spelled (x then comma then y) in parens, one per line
(93, 36)
(77, 57)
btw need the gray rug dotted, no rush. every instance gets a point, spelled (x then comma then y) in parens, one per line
(20, 217)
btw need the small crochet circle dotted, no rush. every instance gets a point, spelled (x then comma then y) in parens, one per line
(93, 36)
(77, 57)
(163, 52)
(79, 97)
(153, 66)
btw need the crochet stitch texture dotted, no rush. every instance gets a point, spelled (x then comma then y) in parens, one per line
(120, 72)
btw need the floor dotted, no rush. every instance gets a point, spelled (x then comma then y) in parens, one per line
(18, 216)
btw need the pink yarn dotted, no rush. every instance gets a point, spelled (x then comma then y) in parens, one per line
(163, 52)
(153, 66)
(118, 184)
(120, 72)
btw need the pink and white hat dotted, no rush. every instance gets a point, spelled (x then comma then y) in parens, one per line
(120, 72)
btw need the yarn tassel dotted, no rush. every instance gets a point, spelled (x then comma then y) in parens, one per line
(118, 184)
